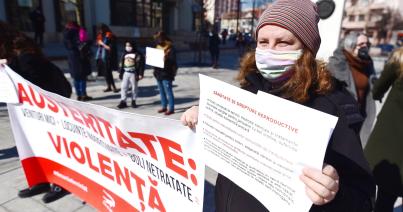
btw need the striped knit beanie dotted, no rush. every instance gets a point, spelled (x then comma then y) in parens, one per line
(297, 16)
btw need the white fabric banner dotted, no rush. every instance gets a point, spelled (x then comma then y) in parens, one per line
(115, 161)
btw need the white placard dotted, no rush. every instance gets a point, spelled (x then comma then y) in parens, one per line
(262, 142)
(155, 57)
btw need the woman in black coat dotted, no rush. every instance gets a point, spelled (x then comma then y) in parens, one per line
(284, 65)
(71, 42)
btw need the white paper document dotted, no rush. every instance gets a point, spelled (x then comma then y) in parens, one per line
(261, 142)
(8, 92)
(155, 57)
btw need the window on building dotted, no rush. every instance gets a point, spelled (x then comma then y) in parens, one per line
(361, 17)
(71, 10)
(140, 13)
(18, 13)
(351, 18)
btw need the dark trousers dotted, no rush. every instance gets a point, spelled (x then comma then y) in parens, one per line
(384, 201)
(38, 37)
(105, 69)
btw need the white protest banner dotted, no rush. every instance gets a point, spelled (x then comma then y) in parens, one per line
(113, 160)
(155, 57)
(262, 143)
(8, 93)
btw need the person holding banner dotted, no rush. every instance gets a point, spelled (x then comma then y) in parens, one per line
(284, 65)
(23, 55)
(165, 76)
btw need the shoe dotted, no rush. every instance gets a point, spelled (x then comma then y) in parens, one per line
(55, 193)
(134, 105)
(122, 104)
(162, 110)
(79, 98)
(86, 98)
(107, 90)
(34, 190)
(115, 90)
(168, 112)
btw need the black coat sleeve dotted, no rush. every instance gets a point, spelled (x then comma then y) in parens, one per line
(345, 154)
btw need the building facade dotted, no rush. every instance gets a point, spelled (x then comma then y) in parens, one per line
(126, 18)
(380, 19)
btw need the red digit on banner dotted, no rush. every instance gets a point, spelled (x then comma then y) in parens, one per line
(23, 95)
(171, 157)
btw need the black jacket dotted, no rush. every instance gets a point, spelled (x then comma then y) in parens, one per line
(344, 153)
(170, 67)
(41, 72)
(139, 66)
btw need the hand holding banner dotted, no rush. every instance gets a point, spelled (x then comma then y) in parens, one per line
(113, 160)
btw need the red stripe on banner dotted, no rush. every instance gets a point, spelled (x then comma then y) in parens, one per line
(40, 170)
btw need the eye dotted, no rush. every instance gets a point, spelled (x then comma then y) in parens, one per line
(263, 43)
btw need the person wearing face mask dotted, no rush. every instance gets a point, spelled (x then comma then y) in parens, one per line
(352, 64)
(131, 71)
(284, 65)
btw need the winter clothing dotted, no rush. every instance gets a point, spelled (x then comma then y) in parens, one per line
(166, 75)
(170, 65)
(214, 47)
(132, 68)
(300, 17)
(79, 63)
(344, 153)
(384, 148)
(41, 72)
(344, 67)
(106, 59)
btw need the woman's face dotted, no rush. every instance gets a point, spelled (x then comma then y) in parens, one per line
(277, 38)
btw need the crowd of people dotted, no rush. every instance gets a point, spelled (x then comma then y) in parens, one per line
(283, 64)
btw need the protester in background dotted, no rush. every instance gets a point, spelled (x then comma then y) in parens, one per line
(352, 64)
(214, 47)
(78, 64)
(26, 59)
(224, 35)
(131, 71)
(384, 148)
(105, 56)
(284, 65)
(38, 25)
(85, 52)
(240, 43)
(165, 76)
